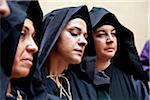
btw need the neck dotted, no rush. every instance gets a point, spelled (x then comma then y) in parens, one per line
(55, 64)
(9, 89)
(102, 64)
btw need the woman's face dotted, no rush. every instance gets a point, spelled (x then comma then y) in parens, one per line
(72, 41)
(25, 50)
(105, 41)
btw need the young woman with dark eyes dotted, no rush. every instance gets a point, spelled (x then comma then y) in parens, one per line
(65, 38)
(118, 72)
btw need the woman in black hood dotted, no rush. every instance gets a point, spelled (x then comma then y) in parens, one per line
(112, 54)
(65, 32)
(18, 46)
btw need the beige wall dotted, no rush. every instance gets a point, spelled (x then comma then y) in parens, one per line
(134, 14)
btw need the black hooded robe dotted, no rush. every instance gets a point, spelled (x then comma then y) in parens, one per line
(53, 25)
(123, 79)
(10, 33)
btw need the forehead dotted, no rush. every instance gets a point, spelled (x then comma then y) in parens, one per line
(77, 22)
(28, 24)
(105, 27)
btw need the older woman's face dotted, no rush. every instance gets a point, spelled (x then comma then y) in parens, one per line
(105, 41)
(72, 41)
(4, 9)
(25, 50)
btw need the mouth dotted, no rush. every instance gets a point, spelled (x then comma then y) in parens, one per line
(110, 49)
(79, 52)
(28, 61)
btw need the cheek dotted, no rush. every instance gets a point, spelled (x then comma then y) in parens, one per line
(98, 49)
(71, 41)
(18, 55)
(65, 38)
(99, 44)
(15, 67)
(115, 43)
(21, 47)
(68, 41)
(16, 62)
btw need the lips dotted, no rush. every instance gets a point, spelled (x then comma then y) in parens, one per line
(110, 49)
(28, 61)
(79, 51)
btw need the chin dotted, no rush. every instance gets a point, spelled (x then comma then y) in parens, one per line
(76, 60)
(110, 56)
(23, 73)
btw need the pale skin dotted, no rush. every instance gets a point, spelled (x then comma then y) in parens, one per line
(69, 48)
(24, 55)
(105, 44)
(4, 9)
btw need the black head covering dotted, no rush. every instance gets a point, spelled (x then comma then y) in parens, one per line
(11, 27)
(53, 24)
(126, 55)
(9, 40)
(126, 60)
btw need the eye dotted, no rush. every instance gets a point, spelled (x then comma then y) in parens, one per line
(23, 34)
(101, 35)
(73, 34)
(34, 37)
(86, 35)
(113, 33)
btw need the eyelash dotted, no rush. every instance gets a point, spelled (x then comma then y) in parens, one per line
(23, 33)
(100, 35)
(114, 34)
(104, 34)
(86, 36)
(74, 34)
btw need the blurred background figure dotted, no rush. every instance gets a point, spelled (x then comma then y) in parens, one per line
(4, 9)
(145, 59)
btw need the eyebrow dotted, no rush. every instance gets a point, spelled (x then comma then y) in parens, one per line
(78, 29)
(104, 30)
(27, 28)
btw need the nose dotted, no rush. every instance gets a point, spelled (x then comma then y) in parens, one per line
(82, 40)
(109, 38)
(4, 9)
(32, 47)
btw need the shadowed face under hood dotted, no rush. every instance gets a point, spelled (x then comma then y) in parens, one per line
(126, 57)
(53, 24)
(11, 27)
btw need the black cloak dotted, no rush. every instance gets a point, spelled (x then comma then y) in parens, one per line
(11, 27)
(124, 78)
(53, 24)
